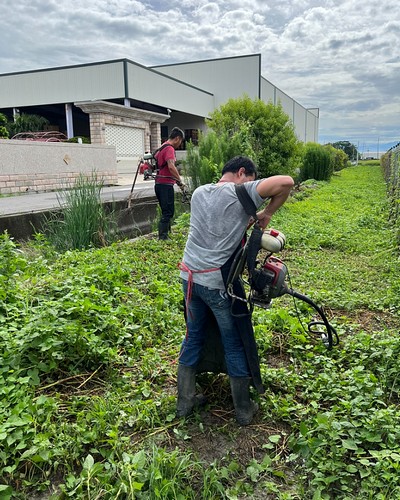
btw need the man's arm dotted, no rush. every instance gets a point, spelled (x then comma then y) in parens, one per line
(174, 171)
(277, 188)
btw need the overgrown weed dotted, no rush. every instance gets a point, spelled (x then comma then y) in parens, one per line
(88, 349)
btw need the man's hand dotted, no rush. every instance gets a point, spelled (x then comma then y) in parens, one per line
(263, 219)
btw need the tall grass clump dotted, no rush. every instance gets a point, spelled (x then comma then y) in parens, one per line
(84, 221)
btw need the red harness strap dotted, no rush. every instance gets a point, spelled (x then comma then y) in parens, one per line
(183, 267)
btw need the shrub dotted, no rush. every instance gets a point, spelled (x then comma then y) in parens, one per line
(390, 164)
(316, 163)
(339, 158)
(27, 123)
(11, 265)
(268, 132)
(85, 140)
(3, 130)
(204, 162)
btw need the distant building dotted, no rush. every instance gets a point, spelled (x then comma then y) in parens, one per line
(133, 107)
(371, 155)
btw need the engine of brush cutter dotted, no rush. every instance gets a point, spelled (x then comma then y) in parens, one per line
(268, 282)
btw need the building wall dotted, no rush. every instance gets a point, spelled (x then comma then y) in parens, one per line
(191, 90)
(146, 85)
(104, 115)
(47, 166)
(285, 101)
(268, 91)
(101, 81)
(312, 126)
(62, 85)
(371, 155)
(106, 127)
(305, 121)
(237, 76)
(299, 121)
(224, 78)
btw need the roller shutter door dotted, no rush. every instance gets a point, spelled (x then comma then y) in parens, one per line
(128, 141)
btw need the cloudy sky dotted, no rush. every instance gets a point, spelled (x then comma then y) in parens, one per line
(342, 56)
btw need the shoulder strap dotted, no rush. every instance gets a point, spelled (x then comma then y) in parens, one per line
(166, 144)
(162, 147)
(246, 201)
(254, 242)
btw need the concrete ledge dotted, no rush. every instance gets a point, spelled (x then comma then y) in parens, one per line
(48, 166)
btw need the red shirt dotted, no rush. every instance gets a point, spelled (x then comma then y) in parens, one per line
(164, 176)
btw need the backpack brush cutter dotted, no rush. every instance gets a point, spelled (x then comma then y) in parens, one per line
(267, 280)
(148, 167)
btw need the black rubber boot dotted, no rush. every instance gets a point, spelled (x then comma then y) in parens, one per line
(163, 229)
(186, 390)
(245, 408)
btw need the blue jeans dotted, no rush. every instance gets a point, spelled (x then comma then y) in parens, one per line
(203, 300)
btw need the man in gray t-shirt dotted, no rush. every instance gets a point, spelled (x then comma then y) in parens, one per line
(218, 223)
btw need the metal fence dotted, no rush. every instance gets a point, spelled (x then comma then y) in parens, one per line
(391, 169)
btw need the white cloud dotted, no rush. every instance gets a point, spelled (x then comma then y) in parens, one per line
(339, 56)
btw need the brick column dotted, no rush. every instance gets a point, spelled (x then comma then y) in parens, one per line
(97, 128)
(155, 139)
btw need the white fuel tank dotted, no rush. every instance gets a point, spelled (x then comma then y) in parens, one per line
(273, 240)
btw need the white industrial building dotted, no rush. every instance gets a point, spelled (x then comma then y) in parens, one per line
(133, 107)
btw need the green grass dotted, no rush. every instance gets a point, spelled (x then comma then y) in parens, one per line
(340, 241)
(88, 349)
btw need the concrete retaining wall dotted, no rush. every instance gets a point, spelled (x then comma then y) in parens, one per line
(49, 166)
(134, 221)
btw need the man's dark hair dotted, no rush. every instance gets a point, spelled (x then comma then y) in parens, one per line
(237, 163)
(176, 132)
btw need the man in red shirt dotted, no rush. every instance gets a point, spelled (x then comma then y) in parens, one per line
(167, 176)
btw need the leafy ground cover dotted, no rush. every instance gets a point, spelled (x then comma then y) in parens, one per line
(89, 343)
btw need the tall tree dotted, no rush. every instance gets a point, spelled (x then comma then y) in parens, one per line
(348, 148)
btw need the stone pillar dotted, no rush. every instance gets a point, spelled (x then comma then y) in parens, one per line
(97, 128)
(147, 137)
(155, 137)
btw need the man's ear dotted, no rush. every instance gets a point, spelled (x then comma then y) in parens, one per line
(238, 173)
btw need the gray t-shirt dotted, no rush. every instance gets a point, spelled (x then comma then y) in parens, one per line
(218, 222)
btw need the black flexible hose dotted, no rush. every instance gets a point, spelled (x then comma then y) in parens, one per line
(330, 337)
